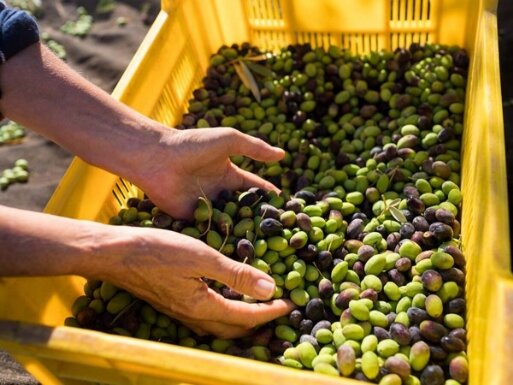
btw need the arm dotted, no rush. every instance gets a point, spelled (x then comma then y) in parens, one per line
(149, 263)
(41, 92)
(171, 166)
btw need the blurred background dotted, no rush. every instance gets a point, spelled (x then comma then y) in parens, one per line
(98, 38)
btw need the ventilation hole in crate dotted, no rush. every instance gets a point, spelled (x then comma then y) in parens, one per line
(410, 10)
(183, 74)
(121, 194)
(327, 40)
(425, 9)
(345, 41)
(406, 39)
(356, 43)
(393, 41)
(123, 190)
(318, 39)
(264, 40)
(270, 40)
(418, 10)
(264, 7)
(252, 9)
(299, 38)
(177, 90)
(125, 185)
(166, 109)
(117, 198)
(373, 42)
(360, 43)
(420, 38)
(264, 10)
(312, 37)
(365, 43)
(273, 8)
(278, 9)
(278, 40)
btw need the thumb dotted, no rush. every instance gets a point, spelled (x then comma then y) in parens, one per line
(242, 278)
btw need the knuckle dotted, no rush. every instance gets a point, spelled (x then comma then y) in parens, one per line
(230, 132)
(239, 277)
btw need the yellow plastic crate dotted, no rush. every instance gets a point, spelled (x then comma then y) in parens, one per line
(158, 83)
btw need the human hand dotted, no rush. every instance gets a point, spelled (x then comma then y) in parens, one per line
(165, 269)
(190, 163)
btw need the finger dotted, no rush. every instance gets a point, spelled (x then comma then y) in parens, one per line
(195, 327)
(240, 277)
(220, 330)
(254, 148)
(245, 314)
(244, 180)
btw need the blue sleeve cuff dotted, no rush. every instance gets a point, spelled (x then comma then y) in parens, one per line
(18, 30)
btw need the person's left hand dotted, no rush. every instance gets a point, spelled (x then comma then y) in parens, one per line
(189, 163)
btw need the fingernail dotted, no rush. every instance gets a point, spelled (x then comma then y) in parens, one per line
(264, 288)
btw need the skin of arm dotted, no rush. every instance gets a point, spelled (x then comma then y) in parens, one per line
(162, 268)
(173, 167)
(165, 163)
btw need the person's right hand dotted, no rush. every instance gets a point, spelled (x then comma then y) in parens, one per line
(186, 164)
(165, 269)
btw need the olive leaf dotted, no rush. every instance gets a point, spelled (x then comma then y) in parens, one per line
(395, 202)
(261, 57)
(260, 70)
(124, 310)
(391, 207)
(247, 78)
(397, 214)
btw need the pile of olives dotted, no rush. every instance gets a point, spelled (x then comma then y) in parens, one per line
(11, 132)
(364, 237)
(19, 173)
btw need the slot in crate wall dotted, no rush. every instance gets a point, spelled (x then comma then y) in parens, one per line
(170, 64)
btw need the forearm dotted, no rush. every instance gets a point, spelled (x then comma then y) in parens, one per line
(36, 244)
(41, 92)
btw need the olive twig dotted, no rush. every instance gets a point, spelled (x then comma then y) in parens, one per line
(209, 209)
(122, 312)
(224, 241)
